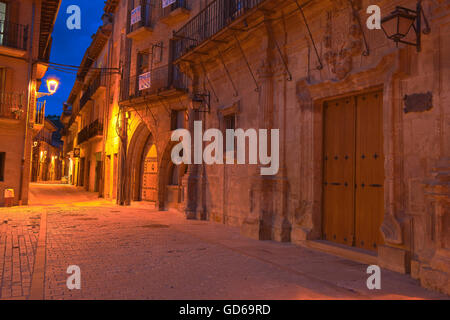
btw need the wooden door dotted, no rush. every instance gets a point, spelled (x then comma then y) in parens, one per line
(353, 202)
(150, 175)
(369, 171)
(339, 170)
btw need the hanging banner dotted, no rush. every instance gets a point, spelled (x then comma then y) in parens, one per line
(166, 3)
(145, 81)
(136, 15)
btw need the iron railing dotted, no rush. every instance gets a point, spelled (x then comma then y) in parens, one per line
(12, 105)
(161, 79)
(13, 35)
(176, 5)
(215, 17)
(90, 131)
(39, 116)
(97, 82)
(41, 138)
(145, 19)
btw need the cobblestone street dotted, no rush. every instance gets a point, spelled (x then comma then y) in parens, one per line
(138, 253)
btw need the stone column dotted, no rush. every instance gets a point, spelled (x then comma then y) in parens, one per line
(435, 272)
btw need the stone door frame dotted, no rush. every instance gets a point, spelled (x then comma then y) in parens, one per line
(311, 97)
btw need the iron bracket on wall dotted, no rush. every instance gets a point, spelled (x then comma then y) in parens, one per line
(286, 67)
(246, 62)
(142, 118)
(356, 15)
(164, 105)
(320, 66)
(209, 81)
(153, 116)
(236, 93)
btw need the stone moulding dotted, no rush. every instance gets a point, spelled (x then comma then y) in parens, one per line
(311, 96)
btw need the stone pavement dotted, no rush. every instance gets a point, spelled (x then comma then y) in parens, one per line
(139, 253)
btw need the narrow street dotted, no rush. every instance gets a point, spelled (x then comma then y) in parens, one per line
(138, 253)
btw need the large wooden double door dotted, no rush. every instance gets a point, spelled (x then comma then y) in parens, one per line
(353, 192)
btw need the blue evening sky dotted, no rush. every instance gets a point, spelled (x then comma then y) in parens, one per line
(69, 47)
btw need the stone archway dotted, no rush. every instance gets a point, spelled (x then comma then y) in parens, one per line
(170, 194)
(141, 139)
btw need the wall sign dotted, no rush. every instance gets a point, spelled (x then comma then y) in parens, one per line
(166, 3)
(136, 15)
(418, 102)
(145, 81)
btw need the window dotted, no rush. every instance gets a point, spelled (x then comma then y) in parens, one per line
(142, 63)
(229, 123)
(2, 166)
(2, 21)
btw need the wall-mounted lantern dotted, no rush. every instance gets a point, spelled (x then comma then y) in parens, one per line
(201, 102)
(52, 87)
(398, 24)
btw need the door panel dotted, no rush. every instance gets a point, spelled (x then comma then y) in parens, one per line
(369, 171)
(150, 175)
(339, 171)
(353, 196)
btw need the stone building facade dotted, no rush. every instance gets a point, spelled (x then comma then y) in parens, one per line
(46, 162)
(84, 130)
(363, 124)
(25, 44)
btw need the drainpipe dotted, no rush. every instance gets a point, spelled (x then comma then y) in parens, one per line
(30, 70)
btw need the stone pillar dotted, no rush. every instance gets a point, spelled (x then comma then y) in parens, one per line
(191, 179)
(435, 272)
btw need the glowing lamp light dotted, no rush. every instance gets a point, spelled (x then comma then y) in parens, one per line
(52, 85)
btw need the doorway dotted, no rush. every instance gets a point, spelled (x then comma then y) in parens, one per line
(149, 186)
(353, 185)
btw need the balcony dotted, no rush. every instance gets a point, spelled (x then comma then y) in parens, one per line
(175, 13)
(216, 17)
(13, 39)
(162, 82)
(39, 115)
(95, 129)
(69, 146)
(12, 105)
(140, 21)
(97, 86)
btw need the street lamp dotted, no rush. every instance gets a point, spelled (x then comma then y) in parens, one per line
(201, 102)
(52, 87)
(398, 24)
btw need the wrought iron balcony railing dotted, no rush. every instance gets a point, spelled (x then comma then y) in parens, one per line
(141, 16)
(12, 105)
(39, 116)
(156, 81)
(13, 35)
(93, 130)
(179, 4)
(97, 82)
(215, 17)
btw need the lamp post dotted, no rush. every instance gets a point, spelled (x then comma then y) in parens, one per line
(398, 24)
